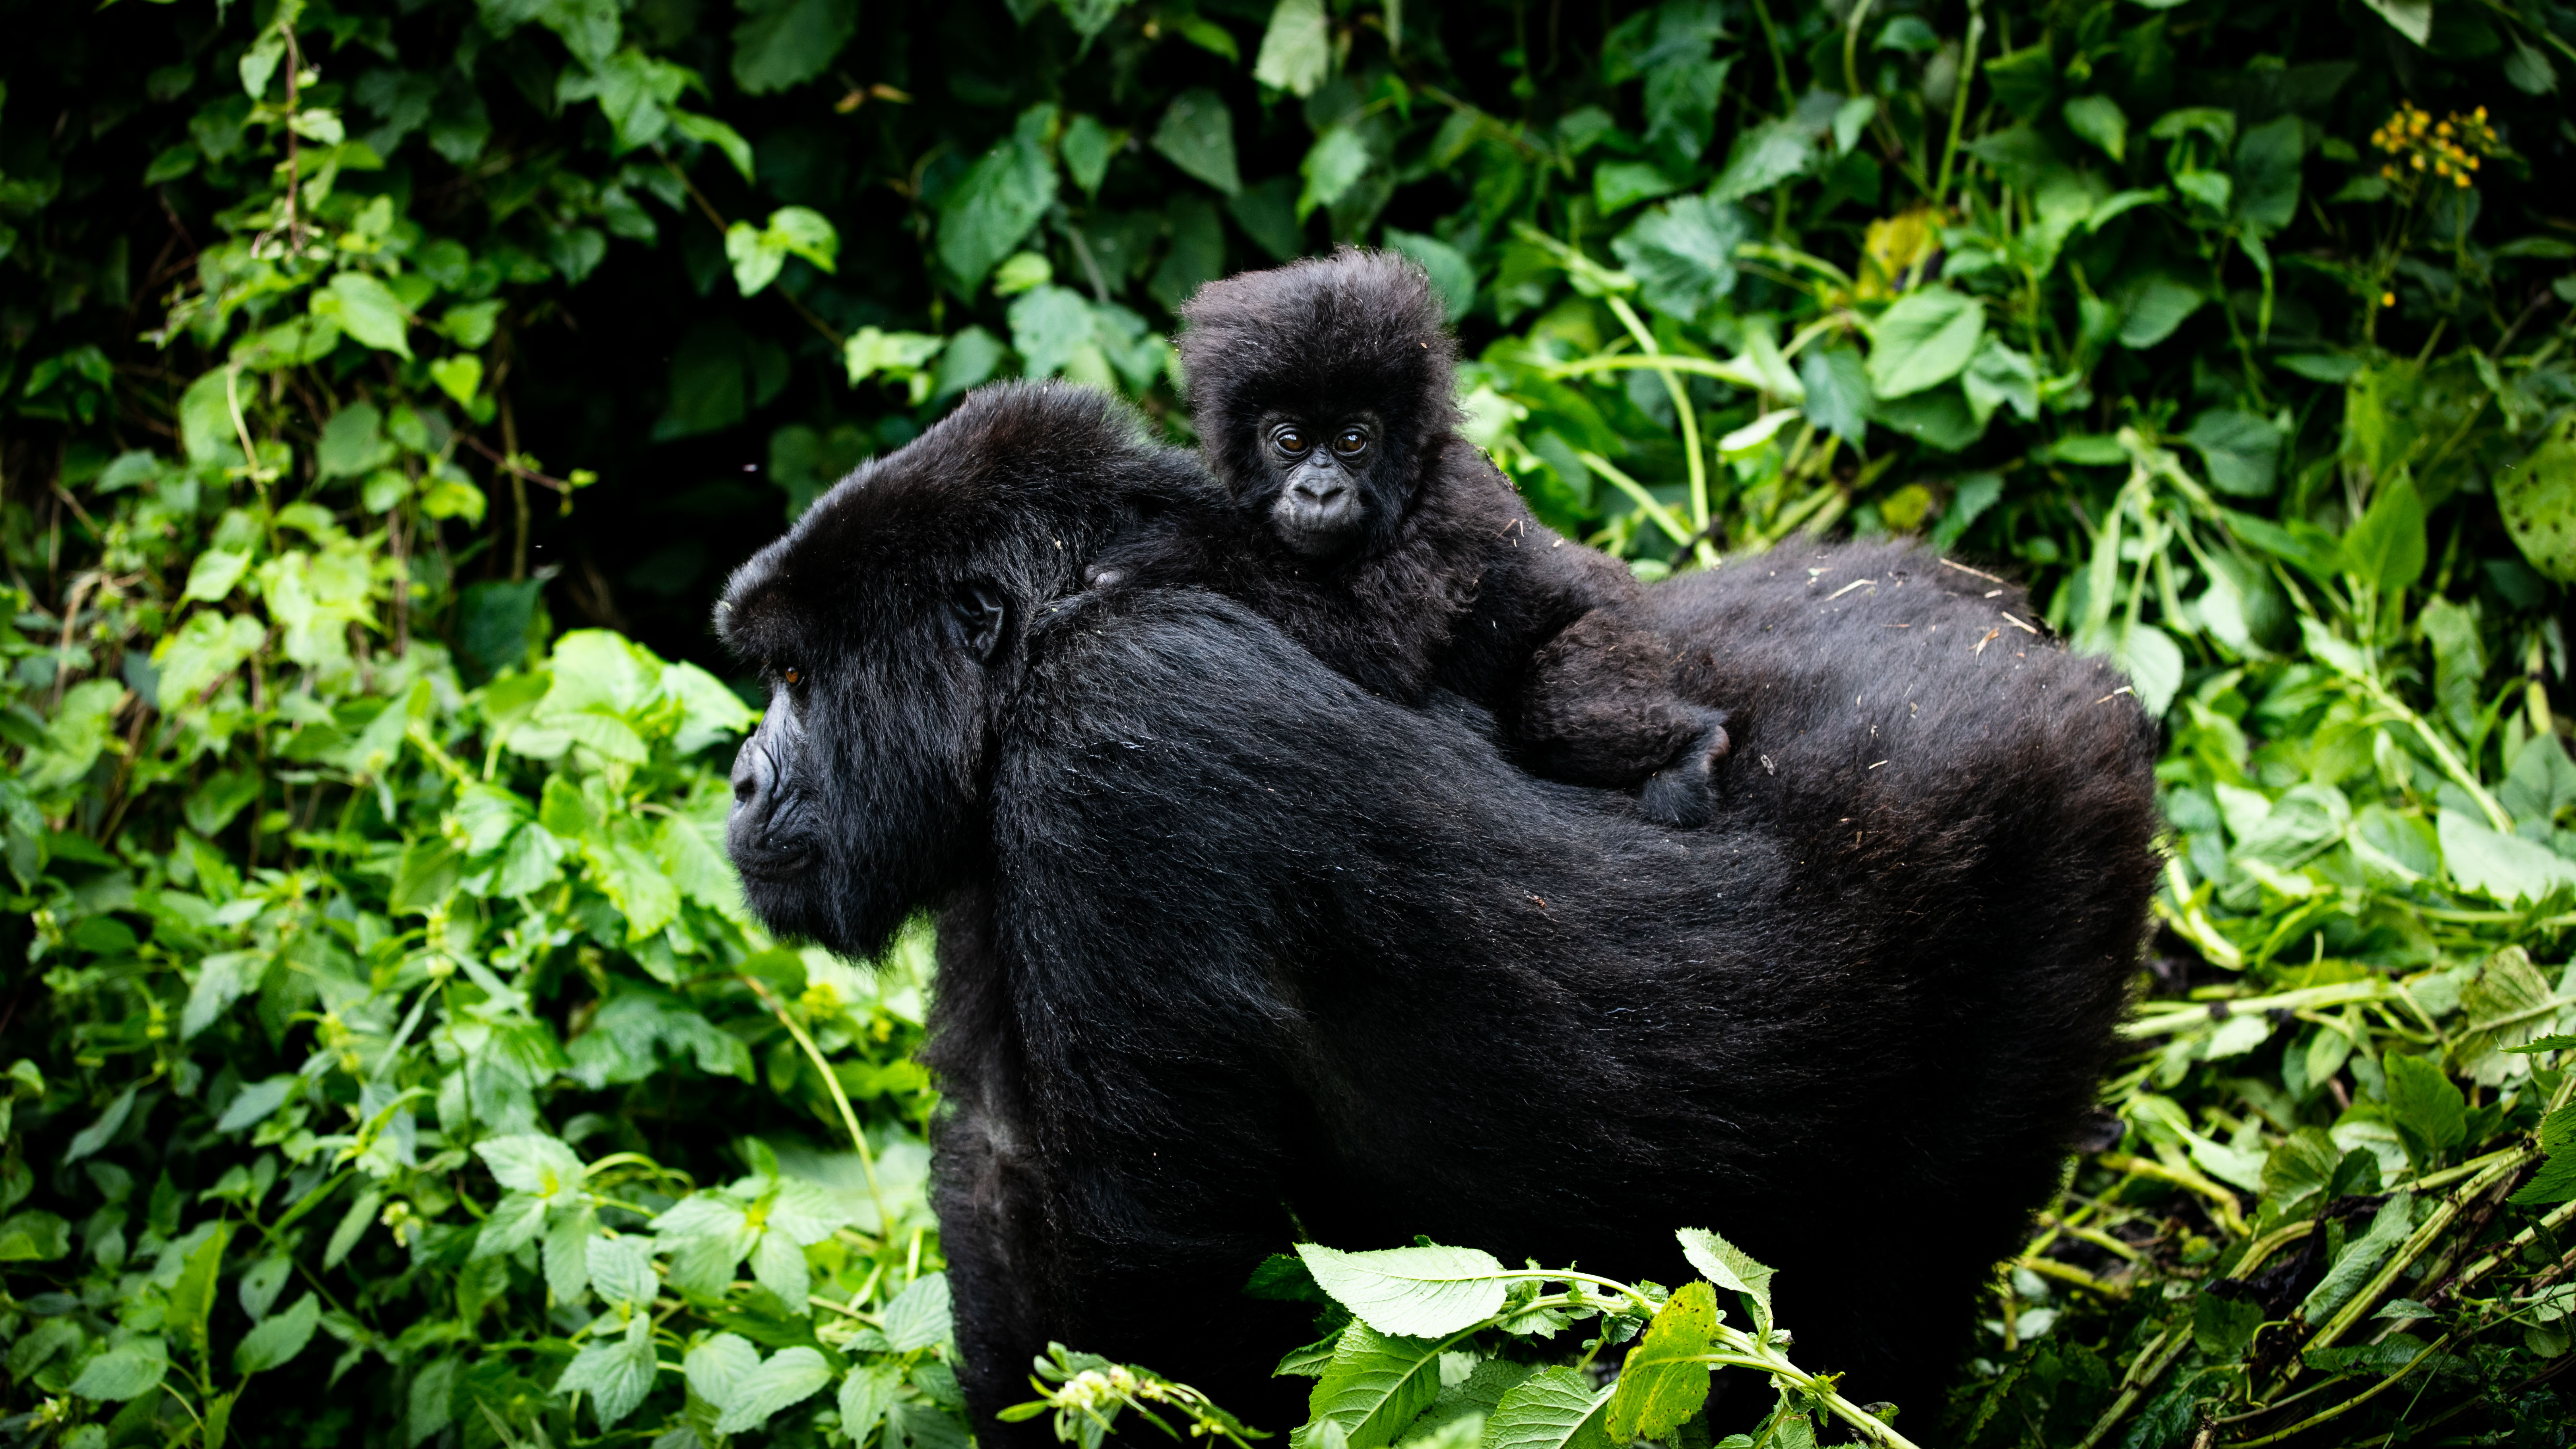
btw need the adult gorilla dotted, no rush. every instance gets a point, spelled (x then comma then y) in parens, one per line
(1229, 948)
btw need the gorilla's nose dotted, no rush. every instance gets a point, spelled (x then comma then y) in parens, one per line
(1321, 492)
(753, 775)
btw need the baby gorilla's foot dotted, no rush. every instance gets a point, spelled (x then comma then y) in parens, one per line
(1682, 793)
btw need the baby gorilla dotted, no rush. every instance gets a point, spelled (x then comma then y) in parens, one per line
(1360, 522)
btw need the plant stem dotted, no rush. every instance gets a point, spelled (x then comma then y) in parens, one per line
(840, 1099)
(1959, 102)
(1682, 409)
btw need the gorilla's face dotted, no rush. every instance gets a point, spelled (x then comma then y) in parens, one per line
(1321, 479)
(852, 800)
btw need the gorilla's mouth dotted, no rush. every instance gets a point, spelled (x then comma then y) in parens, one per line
(772, 867)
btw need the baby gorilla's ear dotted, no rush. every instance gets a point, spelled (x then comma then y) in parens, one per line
(981, 609)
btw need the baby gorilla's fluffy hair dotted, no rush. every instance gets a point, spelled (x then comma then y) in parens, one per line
(1357, 519)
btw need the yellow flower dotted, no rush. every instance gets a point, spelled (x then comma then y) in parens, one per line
(2388, 299)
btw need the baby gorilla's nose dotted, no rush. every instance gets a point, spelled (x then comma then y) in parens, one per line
(1321, 492)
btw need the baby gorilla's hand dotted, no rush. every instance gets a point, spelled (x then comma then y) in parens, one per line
(1682, 793)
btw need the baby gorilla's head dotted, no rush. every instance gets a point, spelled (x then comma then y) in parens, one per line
(1322, 389)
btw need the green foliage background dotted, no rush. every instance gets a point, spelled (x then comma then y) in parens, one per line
(387, 384)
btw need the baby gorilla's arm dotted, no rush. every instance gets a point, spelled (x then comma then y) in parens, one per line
(1597, 707)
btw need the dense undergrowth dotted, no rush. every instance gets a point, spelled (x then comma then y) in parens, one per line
(390, 1060)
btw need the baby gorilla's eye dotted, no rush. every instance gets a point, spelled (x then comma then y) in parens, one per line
(1350, 442)
(1290, 440)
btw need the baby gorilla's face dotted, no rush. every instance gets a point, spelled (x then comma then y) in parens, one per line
(1322, 479)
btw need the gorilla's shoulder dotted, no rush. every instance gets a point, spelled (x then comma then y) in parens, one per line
(1184, 646)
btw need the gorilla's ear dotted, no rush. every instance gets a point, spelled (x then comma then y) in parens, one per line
(982, 610)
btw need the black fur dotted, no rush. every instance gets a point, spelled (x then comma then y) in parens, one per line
(1229, 944)
(1441, 578)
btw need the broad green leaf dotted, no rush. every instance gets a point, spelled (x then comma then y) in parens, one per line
(1727, 1266)
(617, 1373)
(2222, 1327)
(1374, 1387)
(432, 1400)
(2410, 18)
(1923, 341)
(367, 310)
(865, 1395)
(1296, 49)
(2154, 310)
(1682, 254)
(33, 1237)
(2267, 173)
(2429, 1112)
(782, 43)
(1664, 1381)
(2361, 1258)
(789, 1376)
(998, 200)
(2241, 450)
(1197, 135)
(920, 1316)
(192, 1298)
(1452, 275)
(717, 134)
(1763, 156)
(459, 376)
(98, 1133)
(222, 979)
(516, 1219)
(1087, 147)
(353, 1225)
(278, 1338)
(352, 443)
(251, 1105)
(2100, 120)
(1838, 396)
(1555, 1408)
(2538, 500)
(1333, 165)
(716, 1368)
(127, 1371)
(567, 1252)
(2506, 868)
(1421, 1292)
(2385, 546)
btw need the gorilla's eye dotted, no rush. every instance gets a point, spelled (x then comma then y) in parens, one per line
(793, 675)
(1290, 440)
(1350, 442)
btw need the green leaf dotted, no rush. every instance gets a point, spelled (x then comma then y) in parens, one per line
(2428, 1110)
(716, 1368)
(213, 575)
(2154, 310)
(2385, 547)
(2267, 173)
(1728, 1266)
(367, 310)
(2410, 18)
(33, 1237)
(783, 43)
(2025, 80)
(2361, 1258)
(920, 1316)
(998, 200)
(459, 376)
(715, 133)
(1665, 1379)
(1452, 275)
(352, 443)
(2506, 868)
(278, 1338)
(1618, 185)
(1373, 1388)
(127, 1371)
(2241, 450)
(1296, 50)
(1424, 1291)
(1555, 1408)
(98, 1133)
(2538, 500)
(616, 1373)
(2222, 1327)
(192, 1298)
(515, 1220)
(2100, 120)
(1197, 135)
(1923, 341)
(567, 1252)
(1682, 254)
(1333, 165)
(1764, 156)
(865, 1396)
(788, 1377)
